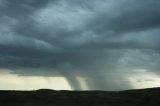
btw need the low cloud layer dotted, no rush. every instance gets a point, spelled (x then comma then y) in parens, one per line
(104, 41)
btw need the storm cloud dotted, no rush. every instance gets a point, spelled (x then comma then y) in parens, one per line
(100, 40)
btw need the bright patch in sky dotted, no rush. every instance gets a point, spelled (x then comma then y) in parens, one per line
(144, 79)
(10, 81)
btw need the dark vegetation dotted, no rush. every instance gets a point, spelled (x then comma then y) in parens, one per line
(45, 97)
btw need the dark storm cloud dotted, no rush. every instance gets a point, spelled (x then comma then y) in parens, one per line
(88, 38)
(129, 16)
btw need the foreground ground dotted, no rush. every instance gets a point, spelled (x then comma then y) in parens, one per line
(44, 97)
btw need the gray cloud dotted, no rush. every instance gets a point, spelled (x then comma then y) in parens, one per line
(91, 39)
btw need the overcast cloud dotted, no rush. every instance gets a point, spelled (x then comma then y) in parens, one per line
(101, 40)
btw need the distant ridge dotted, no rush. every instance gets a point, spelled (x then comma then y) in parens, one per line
(45, 90)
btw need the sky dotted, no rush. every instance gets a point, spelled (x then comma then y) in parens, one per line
(79, 44)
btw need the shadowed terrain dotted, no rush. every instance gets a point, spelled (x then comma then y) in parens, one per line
(46, 97)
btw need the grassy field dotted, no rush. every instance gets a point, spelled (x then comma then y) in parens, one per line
(45, 97)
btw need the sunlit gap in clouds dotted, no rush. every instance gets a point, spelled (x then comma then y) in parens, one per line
(15, 82)
(138, 78)
(10, 81)
(142, 78)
